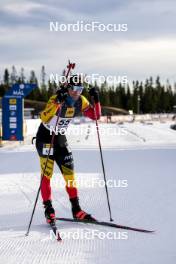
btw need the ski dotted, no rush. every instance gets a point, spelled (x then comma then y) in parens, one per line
(54, 229)
(101, 223)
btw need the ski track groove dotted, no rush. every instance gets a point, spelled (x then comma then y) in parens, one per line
(23, 193)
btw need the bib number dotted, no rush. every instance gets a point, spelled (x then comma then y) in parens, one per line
(63, 124)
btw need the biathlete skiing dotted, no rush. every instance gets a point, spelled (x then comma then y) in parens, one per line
(68, 103)
(52, 146)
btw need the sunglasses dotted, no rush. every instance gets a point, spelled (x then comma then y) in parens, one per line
(77, 88)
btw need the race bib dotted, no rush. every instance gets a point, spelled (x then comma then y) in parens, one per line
(47, 150)
(63, 123)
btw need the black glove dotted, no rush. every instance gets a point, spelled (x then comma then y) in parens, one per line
(62, 94)
(95, 94)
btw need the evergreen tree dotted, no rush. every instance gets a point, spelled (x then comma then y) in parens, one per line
(52, 88)
(22, 76)
(6, 77)
(43, 76)
(154, 96)
(6, 80)
(129, 105)
(35, 94)
(33, 78)
(13, 76)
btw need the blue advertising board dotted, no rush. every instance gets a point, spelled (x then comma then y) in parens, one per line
(12, 118)
(12, 111)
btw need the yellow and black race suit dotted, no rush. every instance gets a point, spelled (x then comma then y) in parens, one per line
(60, 152)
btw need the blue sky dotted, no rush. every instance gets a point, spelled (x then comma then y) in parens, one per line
(147, 48)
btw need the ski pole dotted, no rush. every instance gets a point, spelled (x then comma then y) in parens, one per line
(69, 67)
(42, 176)
(102, 161)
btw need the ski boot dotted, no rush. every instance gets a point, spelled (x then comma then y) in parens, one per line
(78, 213)
(49, 212)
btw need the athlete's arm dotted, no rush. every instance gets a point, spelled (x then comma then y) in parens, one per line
(50, 110)
(88, 109)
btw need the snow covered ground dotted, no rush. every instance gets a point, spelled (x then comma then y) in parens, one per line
(139, 161)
